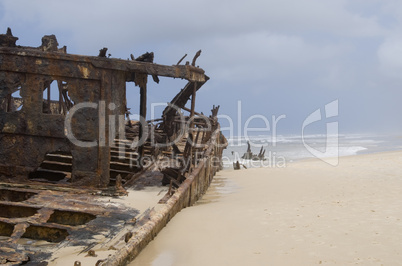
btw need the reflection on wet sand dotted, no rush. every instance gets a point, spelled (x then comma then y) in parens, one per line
(219, 186)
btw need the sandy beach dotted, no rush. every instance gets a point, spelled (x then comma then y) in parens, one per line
(308, 213)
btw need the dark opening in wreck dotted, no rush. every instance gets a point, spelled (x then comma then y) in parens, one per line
(64, 137)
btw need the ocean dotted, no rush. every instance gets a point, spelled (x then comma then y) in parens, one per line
(284, 149)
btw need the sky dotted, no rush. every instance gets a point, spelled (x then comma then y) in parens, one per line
(265, 59)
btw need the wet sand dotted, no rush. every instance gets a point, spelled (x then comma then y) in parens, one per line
(308, 213)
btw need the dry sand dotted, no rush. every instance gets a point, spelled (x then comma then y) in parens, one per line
(305, 214)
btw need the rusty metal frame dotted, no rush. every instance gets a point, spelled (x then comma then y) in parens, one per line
(28, 135)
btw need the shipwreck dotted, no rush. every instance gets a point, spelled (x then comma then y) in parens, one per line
(72, 162)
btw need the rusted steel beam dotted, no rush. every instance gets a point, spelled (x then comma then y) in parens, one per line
(49, 63)
(179, 101)
(82, 66)
(181, 59)
(189, 110)
(195, 57)
(193, 103)
(188, 151)
(141, 81)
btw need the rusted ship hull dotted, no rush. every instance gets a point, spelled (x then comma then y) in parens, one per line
(72, 168)
(186, 195)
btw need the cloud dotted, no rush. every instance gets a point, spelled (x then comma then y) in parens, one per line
(261, 56)
(179, 20)
(279, 32)
(390, 57)
(297, 54)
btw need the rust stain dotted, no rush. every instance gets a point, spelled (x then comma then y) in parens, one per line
(84, 71)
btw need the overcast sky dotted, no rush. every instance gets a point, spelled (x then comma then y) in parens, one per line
(276, 57)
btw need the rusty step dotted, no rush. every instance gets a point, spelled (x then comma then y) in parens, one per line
(123, 140)
(131, 135)
(115, 148)
(58, 166)
(123, 159)
(126, 154)
(169, 153)
(122, 166)
(118, 147)
(61, 153)
(120, 143)
(59, 158)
